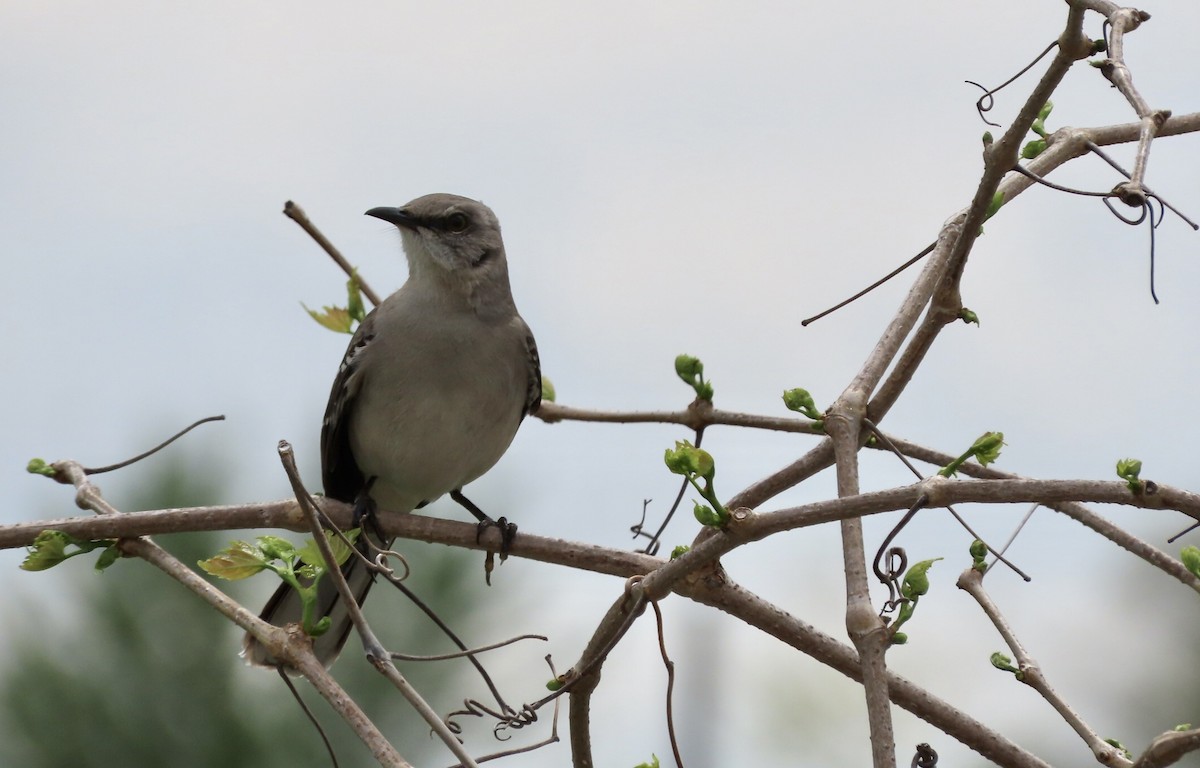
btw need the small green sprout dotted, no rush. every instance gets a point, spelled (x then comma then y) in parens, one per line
(301, 568)
(1005, 664)
(1129, 470)
(697, 465)
(50, 549)
(1191, 559)
(985, 450)
(914, 585)
(691, 371)
(800, 401)
(342, 319)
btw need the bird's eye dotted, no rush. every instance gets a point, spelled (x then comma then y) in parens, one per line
(457, 222)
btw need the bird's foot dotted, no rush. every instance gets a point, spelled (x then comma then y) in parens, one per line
(508, 532)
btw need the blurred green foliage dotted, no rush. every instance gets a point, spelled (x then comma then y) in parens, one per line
(138, 672)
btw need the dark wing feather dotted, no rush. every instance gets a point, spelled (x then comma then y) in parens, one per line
(339, 471)
(533, 395)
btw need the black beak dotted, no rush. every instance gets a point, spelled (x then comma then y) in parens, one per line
(397, 216)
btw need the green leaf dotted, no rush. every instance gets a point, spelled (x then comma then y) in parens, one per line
(310, 553)
(108, 556)
(652, 764)
(237, 561)
(916, 580)
(48, 550)
(355, 310)
(987, 447)
(334, 318)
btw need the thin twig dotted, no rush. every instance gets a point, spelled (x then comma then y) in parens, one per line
(467, 651)
(376, 654)
(971, 582)
(670, 667)
(296, 214)
(152, 451)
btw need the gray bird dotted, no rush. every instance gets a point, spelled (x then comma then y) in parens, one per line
(431, 390)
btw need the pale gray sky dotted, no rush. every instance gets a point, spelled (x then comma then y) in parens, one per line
(671, 177)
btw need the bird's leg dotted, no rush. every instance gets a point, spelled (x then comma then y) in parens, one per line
(508, 531)
(366, 518)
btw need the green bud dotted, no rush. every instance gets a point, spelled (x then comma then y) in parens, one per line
(686, 459)
(1120, 746)
(1191, 559)
(1033, 148)
(1129, 467)
(967, 316)
(800, 401)
(916, 580)
(1183, 727)
(987, 447)
(320, 628)
(1099, 45)
(995, 205)
(108, 556)
(547, 389)
(706, 516)
(1045, 111)
(899, 638)
(1004, 663)
(680, 550)
(691, 371)
(978, 549)
(652, 764)
(40, 467)
(688, 368)
(987, 139)
(555, 684)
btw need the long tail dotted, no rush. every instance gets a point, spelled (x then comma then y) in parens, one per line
(284, 608)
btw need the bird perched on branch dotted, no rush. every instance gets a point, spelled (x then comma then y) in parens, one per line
(430, 393)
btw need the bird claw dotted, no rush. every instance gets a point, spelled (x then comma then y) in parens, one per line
(366, 518)
(508, 532)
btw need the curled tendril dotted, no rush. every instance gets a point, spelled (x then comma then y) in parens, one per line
(987, 101)
(508, 719)
(924, 757)
(897, 564)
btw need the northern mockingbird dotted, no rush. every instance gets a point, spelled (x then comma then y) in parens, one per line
(431, 390)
